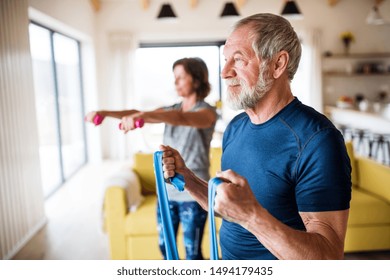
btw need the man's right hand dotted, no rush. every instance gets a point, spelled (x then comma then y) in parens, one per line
(172, 162)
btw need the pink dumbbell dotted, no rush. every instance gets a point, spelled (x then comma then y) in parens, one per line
(138, 123)
(98, 119)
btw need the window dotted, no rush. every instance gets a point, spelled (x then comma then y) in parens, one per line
(300, 85)
(154, 76)
(154, 79)
(59, 105)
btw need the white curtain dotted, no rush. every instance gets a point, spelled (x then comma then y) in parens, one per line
(119, 94)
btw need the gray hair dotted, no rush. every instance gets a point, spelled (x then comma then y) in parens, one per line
(272, 34)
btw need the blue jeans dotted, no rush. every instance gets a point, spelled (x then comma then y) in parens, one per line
(192, 218)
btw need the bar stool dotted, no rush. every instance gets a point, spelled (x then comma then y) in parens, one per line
(361, 141)
(346, 131)
(381, 148)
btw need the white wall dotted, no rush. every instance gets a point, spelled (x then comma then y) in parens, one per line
(203, 22)
(73, 14)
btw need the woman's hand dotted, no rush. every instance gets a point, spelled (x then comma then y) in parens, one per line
(129, 122)
(90, 116)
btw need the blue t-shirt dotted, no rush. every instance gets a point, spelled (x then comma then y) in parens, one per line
(296, 161)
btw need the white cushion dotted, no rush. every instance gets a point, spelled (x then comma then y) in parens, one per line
(128, 180)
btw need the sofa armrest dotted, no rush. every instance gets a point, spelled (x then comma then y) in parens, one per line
(130, 182)
(115, 209)
(374, 178)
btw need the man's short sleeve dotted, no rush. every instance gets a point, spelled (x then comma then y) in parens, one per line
(323, 174)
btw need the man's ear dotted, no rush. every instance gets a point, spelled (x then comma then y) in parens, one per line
(280, 64)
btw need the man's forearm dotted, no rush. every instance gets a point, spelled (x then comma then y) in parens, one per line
(197, 187)
(287, 243)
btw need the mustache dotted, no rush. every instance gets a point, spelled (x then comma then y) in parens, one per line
(233, 82)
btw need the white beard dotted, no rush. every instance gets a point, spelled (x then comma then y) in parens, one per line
(249, 96)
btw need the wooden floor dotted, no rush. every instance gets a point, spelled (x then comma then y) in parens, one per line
(74, 228)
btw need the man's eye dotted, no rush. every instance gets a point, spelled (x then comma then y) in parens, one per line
(239, 59)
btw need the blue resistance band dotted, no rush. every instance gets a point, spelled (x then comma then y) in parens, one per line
(162, 196)
(213, 183)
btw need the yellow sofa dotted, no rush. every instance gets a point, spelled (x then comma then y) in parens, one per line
(133, 235)
(369, 218)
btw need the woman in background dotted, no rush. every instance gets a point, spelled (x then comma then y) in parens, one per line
(189, 127)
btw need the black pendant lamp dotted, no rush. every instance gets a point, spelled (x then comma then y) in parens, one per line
(166, 12)
(229, 10)
(291, 10)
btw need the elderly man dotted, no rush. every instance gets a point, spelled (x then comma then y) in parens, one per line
(286, 172)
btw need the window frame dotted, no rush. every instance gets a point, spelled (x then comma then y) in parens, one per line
(54, 72)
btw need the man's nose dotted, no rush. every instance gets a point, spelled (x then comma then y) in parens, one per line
(227, 71)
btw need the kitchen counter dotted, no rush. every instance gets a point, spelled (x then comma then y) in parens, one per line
(353, 118)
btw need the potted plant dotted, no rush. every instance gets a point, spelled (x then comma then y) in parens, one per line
(347, 38)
